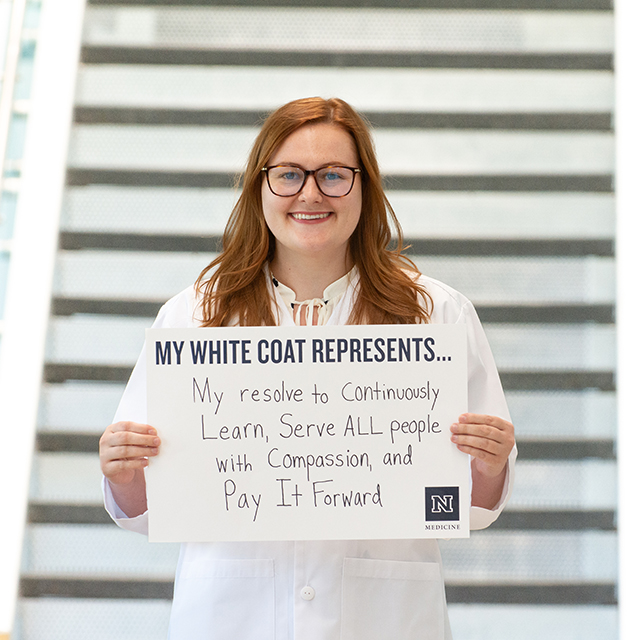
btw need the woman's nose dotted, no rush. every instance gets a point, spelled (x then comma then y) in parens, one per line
(310, 191)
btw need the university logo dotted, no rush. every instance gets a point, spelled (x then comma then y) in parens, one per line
(442, 504)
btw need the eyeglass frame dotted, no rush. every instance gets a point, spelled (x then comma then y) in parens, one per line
(308, 173)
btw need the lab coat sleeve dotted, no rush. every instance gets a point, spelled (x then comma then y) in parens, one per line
(487, 397)
(177, 312)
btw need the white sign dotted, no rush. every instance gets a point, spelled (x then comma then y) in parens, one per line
(307, 433)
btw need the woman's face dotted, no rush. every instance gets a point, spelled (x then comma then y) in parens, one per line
(310, 224)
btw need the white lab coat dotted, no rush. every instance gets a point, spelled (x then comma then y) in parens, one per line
(318, 590)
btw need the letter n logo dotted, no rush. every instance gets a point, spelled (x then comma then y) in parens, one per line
(442, 504)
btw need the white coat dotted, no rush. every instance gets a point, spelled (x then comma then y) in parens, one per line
(318, 590)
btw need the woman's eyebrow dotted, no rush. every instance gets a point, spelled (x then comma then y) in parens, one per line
(300, 166)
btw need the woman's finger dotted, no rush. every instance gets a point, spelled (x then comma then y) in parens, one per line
(481, 444)
(129, 434)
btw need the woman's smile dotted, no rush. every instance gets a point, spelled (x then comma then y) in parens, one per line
(306, 217)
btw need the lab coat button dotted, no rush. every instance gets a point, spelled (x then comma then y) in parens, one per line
(308, 593)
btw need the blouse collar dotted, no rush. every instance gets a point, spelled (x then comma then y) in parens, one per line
(325, 305)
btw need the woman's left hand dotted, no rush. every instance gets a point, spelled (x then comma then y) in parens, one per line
(488, 439)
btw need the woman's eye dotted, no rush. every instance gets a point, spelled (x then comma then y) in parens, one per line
(332, 176)
(288, 175)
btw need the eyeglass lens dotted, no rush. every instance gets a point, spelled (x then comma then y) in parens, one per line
(332, 181)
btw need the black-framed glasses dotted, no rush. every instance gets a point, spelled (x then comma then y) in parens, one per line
(287, 180)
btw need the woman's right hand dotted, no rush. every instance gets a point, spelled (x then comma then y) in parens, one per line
(125, 449)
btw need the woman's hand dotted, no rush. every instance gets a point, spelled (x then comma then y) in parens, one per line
(489, 440)
(125, 449)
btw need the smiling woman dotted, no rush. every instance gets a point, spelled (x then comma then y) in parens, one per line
(312, 238)
(310, 226)
(311, 230)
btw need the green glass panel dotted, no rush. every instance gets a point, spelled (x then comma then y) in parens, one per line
(4, 270)
(8, 203)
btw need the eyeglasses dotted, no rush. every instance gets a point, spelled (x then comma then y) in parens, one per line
(334, 182)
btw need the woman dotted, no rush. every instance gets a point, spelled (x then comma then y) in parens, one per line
(307, 243)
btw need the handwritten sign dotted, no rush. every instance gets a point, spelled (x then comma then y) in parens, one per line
(307, 433)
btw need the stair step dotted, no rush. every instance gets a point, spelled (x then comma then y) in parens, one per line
(597, 183)
(70, 550)
(557, 594)
(563, 593)
(576, 484)
(61, 513)
(512, 520)
(578, 121)
(87, 407)
(547, 5)
(511, 380)
(50, 587)
(546, 314)
(74, 442)
(94, 54)
(78, 240)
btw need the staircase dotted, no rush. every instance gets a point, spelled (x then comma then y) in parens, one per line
(493, 126)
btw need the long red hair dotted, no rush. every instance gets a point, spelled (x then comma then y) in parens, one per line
(234, 288)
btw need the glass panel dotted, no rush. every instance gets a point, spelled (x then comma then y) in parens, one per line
(78, 406)
(160, 210)
(70, 549)
(8, 202)
(483, 280)
(66, 477)
(68, 618)
(99, 340)
(504, 215)
(15, 144)
(459, 90)
(32, 14)
(24, 75)
(526, 280)
(525, 557)
(4, 271)
(419, 152)
(422, 214)
(532, 622)
(584, 484)
(359, 29)
(541, 347)
(159, 276)
(563, 414)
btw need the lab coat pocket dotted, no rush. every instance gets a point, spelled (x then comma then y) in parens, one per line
(223, 599)
(387, 600)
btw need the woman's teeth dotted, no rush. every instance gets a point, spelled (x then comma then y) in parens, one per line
(310, 216)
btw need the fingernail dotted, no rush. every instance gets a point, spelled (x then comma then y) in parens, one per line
(152, 432)
(462, 418)
(156, 441)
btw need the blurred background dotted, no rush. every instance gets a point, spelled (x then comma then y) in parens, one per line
(124, 124)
